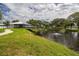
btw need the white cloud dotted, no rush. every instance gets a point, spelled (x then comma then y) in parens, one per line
(41, 11)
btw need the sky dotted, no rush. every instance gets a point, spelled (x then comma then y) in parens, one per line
(41, 11)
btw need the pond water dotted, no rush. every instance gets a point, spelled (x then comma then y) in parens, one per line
(68, 39)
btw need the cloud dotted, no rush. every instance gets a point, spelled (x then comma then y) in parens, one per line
(46, 11)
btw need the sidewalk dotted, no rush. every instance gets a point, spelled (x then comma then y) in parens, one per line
(7, 31)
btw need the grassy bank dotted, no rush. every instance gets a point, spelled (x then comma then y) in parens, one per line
(23, 42)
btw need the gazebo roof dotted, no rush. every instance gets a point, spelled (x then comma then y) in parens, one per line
(1, 24)
(18, 23)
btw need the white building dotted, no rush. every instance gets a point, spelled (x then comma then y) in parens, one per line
(17, 25)
(2, 26)
(20, 25)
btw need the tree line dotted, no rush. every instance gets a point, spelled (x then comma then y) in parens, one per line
(57, 24)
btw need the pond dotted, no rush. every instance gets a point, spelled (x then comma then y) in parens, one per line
(69, 39)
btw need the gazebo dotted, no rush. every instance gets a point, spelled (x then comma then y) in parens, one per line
(2, 26)
(20, 25)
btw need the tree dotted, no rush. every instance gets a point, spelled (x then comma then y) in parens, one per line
(75, 18)
(61, 23)
(45, 26)
(69, 23)
(58, 24)
(35, 23)
(7, 23)
(41, 26)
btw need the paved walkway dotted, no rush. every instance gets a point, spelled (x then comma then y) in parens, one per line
(7, 31)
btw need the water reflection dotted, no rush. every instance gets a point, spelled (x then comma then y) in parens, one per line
(69, 39)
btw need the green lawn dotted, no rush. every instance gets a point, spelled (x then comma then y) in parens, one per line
(1, 30)
(22, 42)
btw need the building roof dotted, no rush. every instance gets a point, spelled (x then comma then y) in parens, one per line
(18, 23)
(1, 24)
(21, 23)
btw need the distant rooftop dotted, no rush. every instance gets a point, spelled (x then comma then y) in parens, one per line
(1, 24)
(20, 23)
